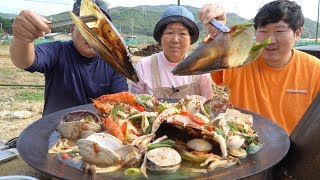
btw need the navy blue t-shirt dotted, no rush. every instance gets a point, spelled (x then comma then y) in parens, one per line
(72, 79)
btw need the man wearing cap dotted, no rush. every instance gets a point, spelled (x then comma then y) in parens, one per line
(74, 74)
(176, 31)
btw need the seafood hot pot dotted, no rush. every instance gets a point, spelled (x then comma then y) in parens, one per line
(34, 140)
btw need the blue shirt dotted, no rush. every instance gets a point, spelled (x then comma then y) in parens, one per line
(72, 79)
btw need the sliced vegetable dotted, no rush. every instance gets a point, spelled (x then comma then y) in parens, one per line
(220, 132)
(253, 148)
(65, 156)
(132, 171)
(257, 47)
(144, 97)
(168, 143)
(210, 128)
(124, 128)
(144, 123)
(232, 126)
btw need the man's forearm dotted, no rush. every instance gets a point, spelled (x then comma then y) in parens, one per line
(22, 54)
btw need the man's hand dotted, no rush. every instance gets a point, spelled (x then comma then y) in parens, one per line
(29, 26)
(210, 11)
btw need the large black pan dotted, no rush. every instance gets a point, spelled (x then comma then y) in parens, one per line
(33, 147)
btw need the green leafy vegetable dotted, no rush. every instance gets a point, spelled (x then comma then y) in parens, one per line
(144, 97)
(253, 148)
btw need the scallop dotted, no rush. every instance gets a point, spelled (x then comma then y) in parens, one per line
(104, 149)
(74, 123)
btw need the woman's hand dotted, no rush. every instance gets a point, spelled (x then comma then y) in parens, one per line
(210, 11)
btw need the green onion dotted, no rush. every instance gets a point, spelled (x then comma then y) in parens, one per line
(232, 126)
(259, 46)
(132, 171)
(168, 143)
(220, 132)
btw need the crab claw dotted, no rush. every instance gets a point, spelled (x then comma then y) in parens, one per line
(226, 50)
(105, 39)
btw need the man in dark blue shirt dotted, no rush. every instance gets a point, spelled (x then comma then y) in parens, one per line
(74, 74)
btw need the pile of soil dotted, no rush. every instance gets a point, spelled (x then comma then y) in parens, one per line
(148, 50)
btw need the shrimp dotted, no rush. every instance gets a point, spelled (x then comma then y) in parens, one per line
(113, 127)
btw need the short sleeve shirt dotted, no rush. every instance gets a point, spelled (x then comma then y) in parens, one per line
(72, 79)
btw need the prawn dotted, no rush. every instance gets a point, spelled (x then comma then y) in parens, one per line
(113, 127)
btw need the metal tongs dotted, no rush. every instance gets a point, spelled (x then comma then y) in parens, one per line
(12, 143)
(69, 21)
(219, 26)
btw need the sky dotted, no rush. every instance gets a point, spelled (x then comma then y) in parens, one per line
(244, 8)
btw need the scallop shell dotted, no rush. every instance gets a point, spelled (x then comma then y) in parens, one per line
(99, 148)
(74, 123)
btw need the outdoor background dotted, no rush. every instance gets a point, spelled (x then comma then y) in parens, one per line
(21, 93)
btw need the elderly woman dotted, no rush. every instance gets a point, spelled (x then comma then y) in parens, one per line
(176, 31)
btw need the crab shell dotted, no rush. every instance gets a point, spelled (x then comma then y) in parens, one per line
(183, 134)
(74, 123)
(104, 149)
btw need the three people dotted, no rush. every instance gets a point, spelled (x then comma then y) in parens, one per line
(282, 82)
(74, 74)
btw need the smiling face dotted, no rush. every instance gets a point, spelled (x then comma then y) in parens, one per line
(175, 41)
(279, 52)
(81, 44)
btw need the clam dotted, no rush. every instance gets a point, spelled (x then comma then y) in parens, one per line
(74, 123)
(200, 145)
(163, 159)
(86, 134)
(240, 153)
(104, 149)
(235, 142)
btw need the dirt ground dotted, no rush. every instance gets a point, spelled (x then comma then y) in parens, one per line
(9, 75)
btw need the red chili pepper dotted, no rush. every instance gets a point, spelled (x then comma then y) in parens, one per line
(139, 108)
(194, 118)
(65, 156)
(124, 128)
(211, 128)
